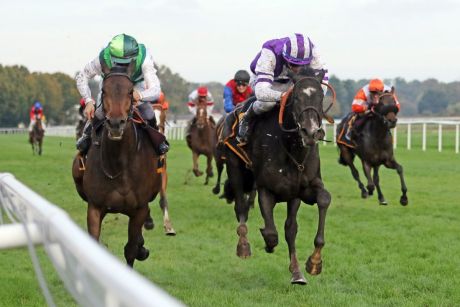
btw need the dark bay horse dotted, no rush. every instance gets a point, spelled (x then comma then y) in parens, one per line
(121, 170)
(202, 140)
(36, 136)
(286, 168)
(160, 115)
(374, 146)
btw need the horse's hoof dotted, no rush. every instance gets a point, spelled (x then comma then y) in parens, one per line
(216, 190)
(404, 201)
(383, 202)
(364, 194)
(271, 240)
(269, 249)
(298, 279)
(243, 250)
(149, 225)
(211, 174)
(170, 232)
(313, 268)
(197, 173)
(142, 253)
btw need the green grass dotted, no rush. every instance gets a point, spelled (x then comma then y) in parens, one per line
(374, 255)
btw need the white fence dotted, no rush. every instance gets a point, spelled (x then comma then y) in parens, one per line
(90, 273)
(407, 125)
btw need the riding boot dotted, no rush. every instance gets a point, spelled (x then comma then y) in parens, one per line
(160, 144)
(84, 142)
(244, 127)
(351, 121)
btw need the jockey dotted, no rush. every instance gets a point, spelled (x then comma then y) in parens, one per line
(36, 112)
(200, 95)
(271, 67)
(237, 90)
(365, 99)
(120, 51)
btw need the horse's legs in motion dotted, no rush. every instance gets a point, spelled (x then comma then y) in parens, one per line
(220, 168)
(209, 172)
(395, 165)
(266, 203)
(314, 262)
(370, 181)
(167, 225)
(252, 197)
(382, 200)
(94, 217)
(196, 171)
(149, 224)
(290, 233)
(134, 248)
(40, 147)
(243, 249)
(348, 159)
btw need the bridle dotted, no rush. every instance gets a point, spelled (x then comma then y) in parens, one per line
(284, 104)
(109, 75)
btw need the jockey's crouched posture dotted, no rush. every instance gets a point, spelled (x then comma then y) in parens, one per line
(197, 96)
(121, 50)
(36, 112)
(271, 67)
(365, 99)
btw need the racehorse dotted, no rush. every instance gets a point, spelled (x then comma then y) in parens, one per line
(374, 146)
(202, 140)
(36, 136)
(285, 165)
(121, 170)
(160, 115)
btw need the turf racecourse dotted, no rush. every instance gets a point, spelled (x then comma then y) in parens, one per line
(374, 255)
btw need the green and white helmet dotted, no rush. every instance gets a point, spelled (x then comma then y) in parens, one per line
(123, 48)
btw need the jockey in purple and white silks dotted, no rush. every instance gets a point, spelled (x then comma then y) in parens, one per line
(121, 50)
(271, 67)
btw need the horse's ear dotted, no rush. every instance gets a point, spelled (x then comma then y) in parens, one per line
(131, 67)
(392, 90)
(105, 68)
(319, 75)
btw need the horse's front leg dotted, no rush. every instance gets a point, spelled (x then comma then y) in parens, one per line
(370, 181)
(40, 148)
(266, 204)
(167, 225)
(220, 168)
(94, 217)
(209, 172)
(382, 200)
(314, 262)
(290, 234)
(395, 165)
(347, 158)
(196, 171)
(134, 248)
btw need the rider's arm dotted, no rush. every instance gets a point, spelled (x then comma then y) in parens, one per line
(359, 104)
(90, 70)
(264, 70)
(151, 82)
(228, 99)
(317, 64)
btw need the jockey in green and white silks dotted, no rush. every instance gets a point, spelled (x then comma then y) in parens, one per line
(121, 50)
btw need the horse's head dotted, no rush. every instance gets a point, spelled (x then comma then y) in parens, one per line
(117, 99)
(201, 115)
(306, 101)
(387, 108)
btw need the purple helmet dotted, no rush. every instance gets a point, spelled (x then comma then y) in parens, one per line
(297, 50)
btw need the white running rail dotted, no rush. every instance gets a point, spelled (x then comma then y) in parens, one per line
(91, 274)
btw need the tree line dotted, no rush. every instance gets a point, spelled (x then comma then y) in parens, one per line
(19, 88)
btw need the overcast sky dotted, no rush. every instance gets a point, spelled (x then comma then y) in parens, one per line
(208, 40)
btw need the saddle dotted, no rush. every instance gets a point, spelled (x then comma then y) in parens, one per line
(354, 122)
(228, 131)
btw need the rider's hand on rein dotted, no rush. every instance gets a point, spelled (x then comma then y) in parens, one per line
(89, 109)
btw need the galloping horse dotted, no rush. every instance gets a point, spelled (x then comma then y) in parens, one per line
(121, 170)
(286, 168)
(160, 115)
(202, 140)
(36, 136)
(374, 147)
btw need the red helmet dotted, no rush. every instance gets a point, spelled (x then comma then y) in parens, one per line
(203, 91)
(376, 85)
